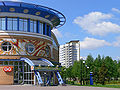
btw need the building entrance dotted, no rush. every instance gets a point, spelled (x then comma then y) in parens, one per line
(48, 78)
(18, 70)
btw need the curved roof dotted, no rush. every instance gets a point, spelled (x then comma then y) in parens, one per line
(57, 18)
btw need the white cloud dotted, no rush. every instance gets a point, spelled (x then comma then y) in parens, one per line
(96, 23)
(57, 33)
(92, 43)
(116, 10)
(117, 42)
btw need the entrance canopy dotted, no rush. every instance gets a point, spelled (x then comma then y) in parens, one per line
(40, 64)
(43, 65)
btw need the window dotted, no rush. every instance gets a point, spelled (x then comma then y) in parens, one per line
(12, 24)
(41, 28)
(30, 48)
(23, 25)
(6, 46)
(44, 28)
(48, 30)
(2, 23)
(33, 27)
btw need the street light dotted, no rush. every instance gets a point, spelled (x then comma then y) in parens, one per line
(83, 62)
(83, 72)
(86, 73)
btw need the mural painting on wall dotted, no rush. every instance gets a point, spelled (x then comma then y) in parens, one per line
(24, 47)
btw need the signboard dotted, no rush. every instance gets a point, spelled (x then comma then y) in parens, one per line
(32, 67)
(7, 69)
(45, 68)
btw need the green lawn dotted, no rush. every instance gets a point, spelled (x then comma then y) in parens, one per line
(108, 86)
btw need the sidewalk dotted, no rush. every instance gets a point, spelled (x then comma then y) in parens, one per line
(29, 87)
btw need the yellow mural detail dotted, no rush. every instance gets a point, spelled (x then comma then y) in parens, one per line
(37, 13)
(47, 16)
(12, 9)
(26, 11)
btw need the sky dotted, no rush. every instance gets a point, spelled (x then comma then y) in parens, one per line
(95, 23)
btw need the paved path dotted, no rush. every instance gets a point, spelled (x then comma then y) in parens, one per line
(28, 87)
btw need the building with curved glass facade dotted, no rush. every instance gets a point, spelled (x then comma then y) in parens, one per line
(28, 48)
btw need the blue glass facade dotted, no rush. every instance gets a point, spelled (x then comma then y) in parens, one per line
(25, 25)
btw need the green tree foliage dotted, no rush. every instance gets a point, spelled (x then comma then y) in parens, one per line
(109, 63)
(69, 72)
(102, 74)
(89, 62)
(97, 64)
(103, 68)
(76, 69)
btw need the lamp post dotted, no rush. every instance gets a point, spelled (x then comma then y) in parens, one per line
(86, 73)
(83, 73)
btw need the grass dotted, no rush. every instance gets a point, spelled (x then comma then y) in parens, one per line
(112, 84)
(108, 86)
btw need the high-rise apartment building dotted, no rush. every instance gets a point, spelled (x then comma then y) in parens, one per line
(69, 53)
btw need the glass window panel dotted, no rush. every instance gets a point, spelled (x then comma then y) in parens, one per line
(14, 24)
(6, 46)
(12, 4)
(6, 63)
(16, 63)
(43, 28)
(40, 28)
(25, 25)
(9, 23)
(28, 5)
(21, 63)
(1, 62)
(35, 28)
(3, 23)
(0, 23)
(11, 62)
(48, 30)
(20, 24)
(31, 26)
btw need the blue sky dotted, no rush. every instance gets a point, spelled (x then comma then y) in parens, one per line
(96, 23)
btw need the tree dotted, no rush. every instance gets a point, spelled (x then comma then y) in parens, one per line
(63, 73)
(97, 64)
(69, 73)
(102, 74)
(118, 68)
(109, 63)
(89, 62)
(76, 69)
